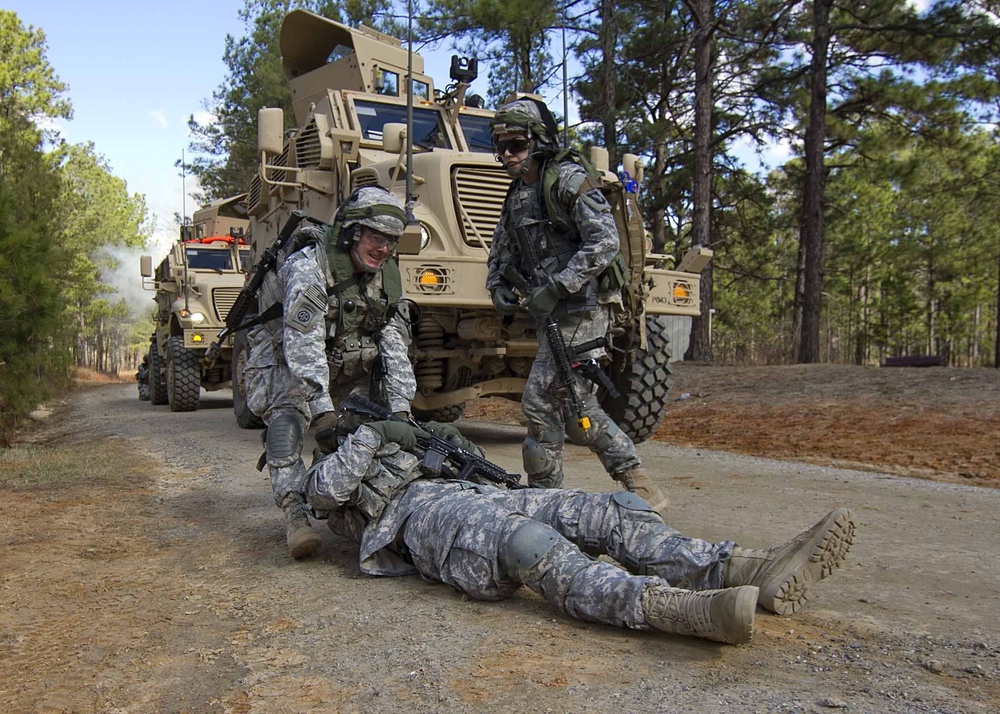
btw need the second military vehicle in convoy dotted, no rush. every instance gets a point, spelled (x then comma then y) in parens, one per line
(195, 285)
(349, 89)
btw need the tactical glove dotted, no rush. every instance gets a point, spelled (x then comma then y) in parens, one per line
(325, 425)
(399, 432)
(450, 434)
(504, 300)
(544, 299)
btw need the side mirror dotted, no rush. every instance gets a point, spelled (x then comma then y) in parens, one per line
(270, 131)
(393, 137)
(409, 242)
(146, 266)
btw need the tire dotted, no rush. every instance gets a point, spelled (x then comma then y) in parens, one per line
(244, 417)
(442, 414)
(643, 381)
(183, 377)
(157, 384)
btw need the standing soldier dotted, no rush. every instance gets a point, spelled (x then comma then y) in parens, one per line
(341, 328)
(564, 215)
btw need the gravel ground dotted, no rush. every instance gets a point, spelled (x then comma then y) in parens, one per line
(168, 588)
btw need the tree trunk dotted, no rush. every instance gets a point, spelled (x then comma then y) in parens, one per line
(700, 347)
(609, 87)
(811, 236)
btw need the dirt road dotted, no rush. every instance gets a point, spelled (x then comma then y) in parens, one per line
(161, 583)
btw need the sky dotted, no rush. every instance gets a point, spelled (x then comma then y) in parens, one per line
(136, 71)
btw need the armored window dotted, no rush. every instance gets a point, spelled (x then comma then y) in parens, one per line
(477, 132)
(202, 259)
(428, 127)
(420, 90)
(386, 82)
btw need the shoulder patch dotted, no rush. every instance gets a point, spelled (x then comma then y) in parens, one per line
(595, 200)
(307, 309)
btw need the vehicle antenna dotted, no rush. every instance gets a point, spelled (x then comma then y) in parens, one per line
(409, 113)
(184, 259)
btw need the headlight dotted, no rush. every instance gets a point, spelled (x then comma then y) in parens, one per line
(197, 318)
(425, 236)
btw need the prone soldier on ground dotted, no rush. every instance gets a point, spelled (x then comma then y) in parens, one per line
(373, 484)
(555, 253)
(332, 322)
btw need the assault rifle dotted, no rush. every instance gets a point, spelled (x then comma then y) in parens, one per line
(248, 293)
(440, 456)
(564, 356)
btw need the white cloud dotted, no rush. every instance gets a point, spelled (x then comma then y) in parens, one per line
(204, 117)
(160, 117)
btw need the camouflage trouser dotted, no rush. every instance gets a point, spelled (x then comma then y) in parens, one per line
(489, 544)
(543, 403)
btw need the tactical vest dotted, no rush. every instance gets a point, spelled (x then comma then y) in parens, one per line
(563, 237)
(393, 469)
(357, 310)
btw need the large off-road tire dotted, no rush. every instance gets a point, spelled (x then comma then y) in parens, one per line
(157, 383)
(244, 417)
(442, 414)
(183, 376)
(644, 384)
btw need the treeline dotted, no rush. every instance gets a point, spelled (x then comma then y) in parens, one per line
(877, 234)
(61, 213)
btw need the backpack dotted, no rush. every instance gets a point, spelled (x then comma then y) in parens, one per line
(625, 271)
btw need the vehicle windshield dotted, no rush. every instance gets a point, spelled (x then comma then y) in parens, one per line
(245, 260)
(207, 259)
(428, 129)
(477, 132)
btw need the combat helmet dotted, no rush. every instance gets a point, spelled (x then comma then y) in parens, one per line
(371, 206)
(528, 116)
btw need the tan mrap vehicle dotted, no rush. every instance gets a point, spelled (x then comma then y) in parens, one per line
(349, 94)
(195, 285)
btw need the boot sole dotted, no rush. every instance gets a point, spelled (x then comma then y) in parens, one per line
(816, 559)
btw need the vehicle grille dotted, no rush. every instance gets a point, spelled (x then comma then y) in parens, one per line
(253, 197)
(362, 178)
(480, 193)
(308, 150)
(223, 300)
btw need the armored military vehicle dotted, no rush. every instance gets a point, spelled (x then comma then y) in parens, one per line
(195, 284)
(349, 91)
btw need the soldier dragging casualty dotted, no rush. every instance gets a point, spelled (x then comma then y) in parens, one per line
(336, 325)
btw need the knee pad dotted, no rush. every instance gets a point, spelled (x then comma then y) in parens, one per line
(283, 440)
(535, 457)
(525, 547)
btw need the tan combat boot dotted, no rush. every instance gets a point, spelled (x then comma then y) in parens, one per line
(303, 540)
(719, 615)
(786, 573)
(638, 482)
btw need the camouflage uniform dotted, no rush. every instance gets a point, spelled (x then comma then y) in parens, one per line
(487, 542)
(289, 370)
(574, 261)
(327, 343)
